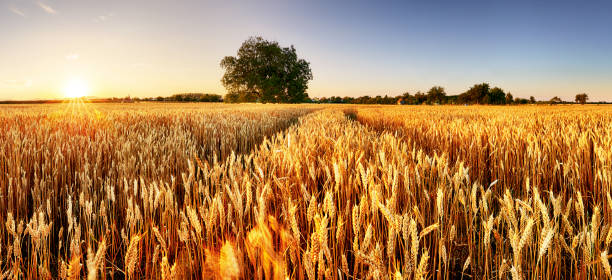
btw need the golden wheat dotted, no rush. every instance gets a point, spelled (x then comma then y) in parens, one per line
(282, 191)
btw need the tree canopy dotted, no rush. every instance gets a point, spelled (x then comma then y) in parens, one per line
(582, 98)
(496, 96)
(476, 94)
(436, 95)
(266, 72)
(484, 94)
(555, 100)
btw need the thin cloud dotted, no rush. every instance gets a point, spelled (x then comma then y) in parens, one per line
(17, 11)
(72, 56)
(103, 18)
(46, 8)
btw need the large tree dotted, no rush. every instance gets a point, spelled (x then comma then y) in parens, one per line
(264, 71)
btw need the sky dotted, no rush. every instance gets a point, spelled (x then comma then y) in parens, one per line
(148, 48)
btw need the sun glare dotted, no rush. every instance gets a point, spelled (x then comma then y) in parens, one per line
(76, 88)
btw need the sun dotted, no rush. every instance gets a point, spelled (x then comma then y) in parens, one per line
(76, 88)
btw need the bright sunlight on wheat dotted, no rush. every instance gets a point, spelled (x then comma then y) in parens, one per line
(186, 191)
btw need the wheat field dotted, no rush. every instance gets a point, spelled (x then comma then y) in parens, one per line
(190, 191)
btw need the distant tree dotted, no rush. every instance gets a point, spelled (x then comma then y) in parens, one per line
(362, 100)
(234, 97)
(521, 101)
(389, 99)
(419, 98)
(436, 95)
(532, 100)
(582, 98)
(193, 97)
(451, 99)
(555, 100)
(406, 98)
(478, 93)
(335, 99)
(509, 98)
(348, 100)
(496, 95)
(377, 99)
(264, 70)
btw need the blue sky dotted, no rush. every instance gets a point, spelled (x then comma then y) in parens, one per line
(151, 48)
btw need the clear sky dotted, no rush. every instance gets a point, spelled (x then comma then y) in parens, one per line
(161, 47)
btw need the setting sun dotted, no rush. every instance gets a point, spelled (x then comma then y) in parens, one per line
(76, 88)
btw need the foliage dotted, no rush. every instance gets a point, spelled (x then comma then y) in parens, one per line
(476, 94)
(359, 100)
(436, 95)
(192, 97)
(495, 96)
(509, 98)
(582, 98)
(555, 100)
(264, 71)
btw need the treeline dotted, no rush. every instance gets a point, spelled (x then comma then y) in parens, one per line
(477, 94)
(191, 97)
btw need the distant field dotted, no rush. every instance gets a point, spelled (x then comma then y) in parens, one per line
(218, 191)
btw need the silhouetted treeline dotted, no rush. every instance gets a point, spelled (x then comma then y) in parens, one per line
(477, 94)
(192, 97)
(357, 100)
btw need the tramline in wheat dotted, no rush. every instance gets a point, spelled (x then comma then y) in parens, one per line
(306, 192)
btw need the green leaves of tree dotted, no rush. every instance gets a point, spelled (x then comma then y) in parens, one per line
(263, 71)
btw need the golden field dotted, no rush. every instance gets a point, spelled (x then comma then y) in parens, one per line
(192, 191)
